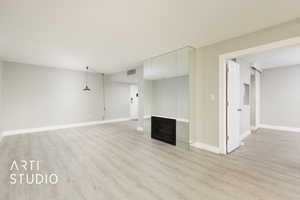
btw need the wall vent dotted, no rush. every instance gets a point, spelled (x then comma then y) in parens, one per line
(131, 72)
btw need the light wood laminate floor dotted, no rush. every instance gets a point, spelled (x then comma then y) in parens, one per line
(113, 161)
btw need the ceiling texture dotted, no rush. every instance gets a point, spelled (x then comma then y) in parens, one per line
(111, 35)
(281, 57)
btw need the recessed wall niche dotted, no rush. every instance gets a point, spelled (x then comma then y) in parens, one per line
(167, 94)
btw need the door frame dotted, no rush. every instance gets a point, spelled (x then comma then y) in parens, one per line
(233, 112)
(222, 81)
(137, 101)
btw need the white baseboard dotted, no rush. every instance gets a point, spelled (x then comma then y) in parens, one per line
(206, 147)
(254, 128)
(280, 128)
(49, 128)
(139, 128)
(244, 135)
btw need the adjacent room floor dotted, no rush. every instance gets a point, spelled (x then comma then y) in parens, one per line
(113, 161)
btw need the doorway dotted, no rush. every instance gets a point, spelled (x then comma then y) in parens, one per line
(134, 101)
(242, 98)
(230, 134)
(233, 105)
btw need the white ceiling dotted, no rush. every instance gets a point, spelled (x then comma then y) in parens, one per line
(275, 58)
(111, 35)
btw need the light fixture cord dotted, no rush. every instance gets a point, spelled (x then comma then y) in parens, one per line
(86, 75)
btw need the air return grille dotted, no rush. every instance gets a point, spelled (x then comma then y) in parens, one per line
(131, 72)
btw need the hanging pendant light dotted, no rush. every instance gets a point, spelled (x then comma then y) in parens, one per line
(86, 88)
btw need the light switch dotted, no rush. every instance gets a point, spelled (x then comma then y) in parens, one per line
(212, 97)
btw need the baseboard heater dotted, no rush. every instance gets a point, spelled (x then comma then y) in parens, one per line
(163, 129)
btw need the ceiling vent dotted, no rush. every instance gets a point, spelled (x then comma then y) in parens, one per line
(131, 72)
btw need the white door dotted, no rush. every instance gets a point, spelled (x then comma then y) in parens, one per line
(133, 102)
(233, 106)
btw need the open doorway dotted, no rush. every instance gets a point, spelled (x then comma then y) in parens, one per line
(243, 97)
(134, 102)
(253, 100)
(250, 101)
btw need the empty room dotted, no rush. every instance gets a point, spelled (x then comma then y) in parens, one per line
(263, 111)
(149, 100)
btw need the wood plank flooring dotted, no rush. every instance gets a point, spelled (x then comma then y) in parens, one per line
(113, 161)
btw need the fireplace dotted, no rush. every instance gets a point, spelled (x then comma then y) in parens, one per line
(163, 129)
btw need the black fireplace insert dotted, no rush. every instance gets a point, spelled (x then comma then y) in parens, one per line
(163, 129)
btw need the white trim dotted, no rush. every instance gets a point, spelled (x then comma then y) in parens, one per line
(254, 128)
(177, 119)
(49, 128)
(182, 120)
(206, 147)
(140, 129)
(222, 80)
(222, 105)
(245, 135)
(256, 67)
(280, 128)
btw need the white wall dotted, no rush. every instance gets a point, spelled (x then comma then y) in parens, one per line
(117, 99)
(35, 96)
(1, 112)
(280, 105)
(38, 96)
(245, 72)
